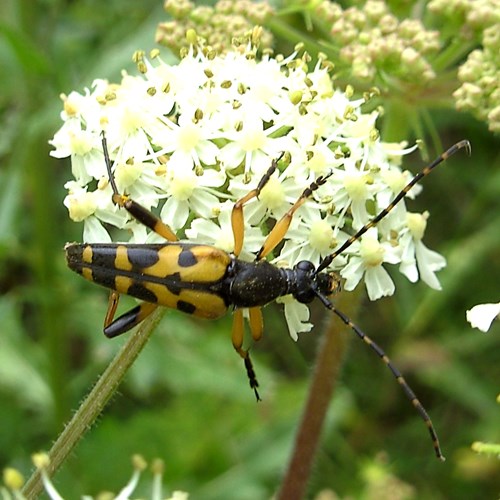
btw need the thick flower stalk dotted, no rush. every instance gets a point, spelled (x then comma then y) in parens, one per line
(187, 140)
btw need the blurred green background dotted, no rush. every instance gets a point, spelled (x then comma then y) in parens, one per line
(186, 399)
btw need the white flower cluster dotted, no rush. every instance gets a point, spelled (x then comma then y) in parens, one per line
(14, 481)
(190, 139)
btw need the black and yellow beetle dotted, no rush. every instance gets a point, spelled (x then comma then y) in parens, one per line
(205, 281)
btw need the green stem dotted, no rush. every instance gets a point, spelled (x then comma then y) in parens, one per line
(452, 54)
(397, 120)
(94, 403)
(327, 368)
(282, 29)
(44, 261)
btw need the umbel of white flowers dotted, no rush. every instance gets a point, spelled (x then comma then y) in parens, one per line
(191, 138)
(14, 481)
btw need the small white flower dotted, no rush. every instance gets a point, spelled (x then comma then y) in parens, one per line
(372, 254)
(254, 146)
(275, 199)
(416, 258)
(189, 192)
(92, 208)
(311, 236)
(84, 148)
(296, 315)
(189, 144)
(482, 316)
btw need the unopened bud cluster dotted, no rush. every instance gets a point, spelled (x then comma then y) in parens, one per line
(468, 19)
(219, 25)
(480, 77)
(476, 23)
(374, 42)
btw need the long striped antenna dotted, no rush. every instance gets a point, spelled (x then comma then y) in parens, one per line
(107, 161)
(397, 374)
(424, 172)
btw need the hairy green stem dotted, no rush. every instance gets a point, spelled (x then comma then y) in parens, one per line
(94, 403)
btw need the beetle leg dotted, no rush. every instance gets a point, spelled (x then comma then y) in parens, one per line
(256, 323)
(144, 216)
(237, 222)
(128, 320)
(114, 298)
(137, 211)
(280, 229)
(237, 338)
(237, 332)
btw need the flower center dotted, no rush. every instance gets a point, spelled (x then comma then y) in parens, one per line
(272, 195)
(189, 137)
(394, 179)
(317, 162)
(321, 236)
(132, 121)
(126, 174)
(371, 251)
(183, 185)
(80, 206)
(355, 186)
(252, 140)
(80, 145)
(416, 224)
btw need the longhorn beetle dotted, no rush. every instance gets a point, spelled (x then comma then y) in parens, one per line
(205, 281)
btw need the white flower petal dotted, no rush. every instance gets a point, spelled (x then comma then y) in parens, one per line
(352, 272)
(94, 232)
(482, 315)
(175, 213)
(297, 317)
(409, 269)
(203, 203)
(378, 283)
(428, 262)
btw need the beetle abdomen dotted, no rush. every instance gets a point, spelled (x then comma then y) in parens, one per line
(182, 276)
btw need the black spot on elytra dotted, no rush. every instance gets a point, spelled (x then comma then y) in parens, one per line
(186, 307)
(140, 258)
(104, 276)
(103, 256)
(186, 258)
(141, 292)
